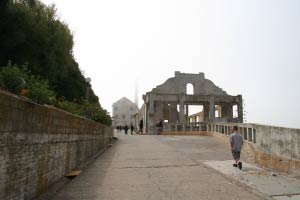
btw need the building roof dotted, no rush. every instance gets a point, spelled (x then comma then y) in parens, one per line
(125, 100)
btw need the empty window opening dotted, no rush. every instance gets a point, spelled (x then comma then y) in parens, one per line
(245, 134)
(250, 134)
(234, 111)
(196, 112)
(186, 110)
(190, 89)
(218, 111)
(195, 109)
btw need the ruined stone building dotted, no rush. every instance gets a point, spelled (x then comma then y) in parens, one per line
(123, 112)
(170, 101)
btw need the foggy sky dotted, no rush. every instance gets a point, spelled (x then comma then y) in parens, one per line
(245, 47)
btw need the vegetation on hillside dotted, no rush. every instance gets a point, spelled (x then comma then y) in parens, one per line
(40, 46)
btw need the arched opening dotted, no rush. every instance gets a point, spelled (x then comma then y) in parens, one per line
(189, 89)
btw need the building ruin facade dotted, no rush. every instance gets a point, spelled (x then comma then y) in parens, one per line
(170, 102)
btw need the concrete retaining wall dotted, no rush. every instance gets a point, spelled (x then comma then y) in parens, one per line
(40, 144)
(271, 147)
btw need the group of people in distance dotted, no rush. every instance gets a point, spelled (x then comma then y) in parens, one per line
(126, 128)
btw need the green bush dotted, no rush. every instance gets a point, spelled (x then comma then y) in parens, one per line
(70, 107)
(88, 110)
(103, 117)
(12, 78)
(38, 90)
(96, 113)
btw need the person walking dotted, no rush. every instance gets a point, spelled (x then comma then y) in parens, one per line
(160, 126)
(126, 129)
(236, 144)
(141, 126)
(131, 128)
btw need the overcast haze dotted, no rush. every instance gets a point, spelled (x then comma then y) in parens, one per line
(246, 47)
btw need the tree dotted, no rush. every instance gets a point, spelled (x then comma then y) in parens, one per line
(30, 32)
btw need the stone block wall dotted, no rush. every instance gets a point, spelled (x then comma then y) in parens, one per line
(40, 144)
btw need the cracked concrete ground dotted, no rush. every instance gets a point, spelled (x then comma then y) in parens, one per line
(158, 167)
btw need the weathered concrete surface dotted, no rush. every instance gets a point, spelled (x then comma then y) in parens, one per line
(273, 184)
(158, 167)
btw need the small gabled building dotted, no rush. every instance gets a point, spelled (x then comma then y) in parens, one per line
(123, 112)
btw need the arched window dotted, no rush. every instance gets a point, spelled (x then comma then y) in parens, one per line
(189, 89)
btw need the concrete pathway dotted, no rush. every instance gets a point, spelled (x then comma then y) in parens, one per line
(276, 185)
(160, 167)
